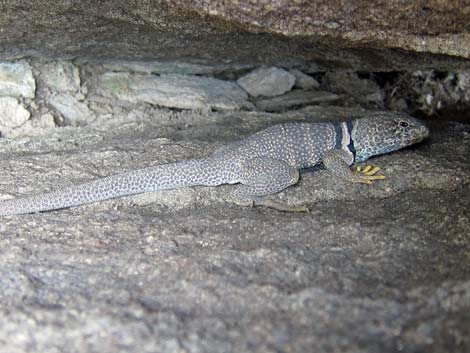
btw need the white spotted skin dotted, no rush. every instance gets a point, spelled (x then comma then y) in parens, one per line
(264, 163)
(300, 145)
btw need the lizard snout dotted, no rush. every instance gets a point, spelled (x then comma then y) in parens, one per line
(420, 134)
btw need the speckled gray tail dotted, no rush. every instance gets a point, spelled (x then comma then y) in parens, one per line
(166, 176)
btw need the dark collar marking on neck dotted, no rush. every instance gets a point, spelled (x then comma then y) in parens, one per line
(351, 148)
(339, 136)
(343, 135)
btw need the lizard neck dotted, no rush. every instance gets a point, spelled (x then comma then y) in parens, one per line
(361, 137)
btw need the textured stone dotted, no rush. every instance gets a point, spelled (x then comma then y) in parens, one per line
(304, 81)
(74, 111)
(166, 67)
(12, 115)
(60, 76)
(363, 90)
(267, 82)
(295, 98)
(362, 35)
(173, 90)
(16, 80)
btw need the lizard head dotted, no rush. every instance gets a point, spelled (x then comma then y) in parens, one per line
(385, 132)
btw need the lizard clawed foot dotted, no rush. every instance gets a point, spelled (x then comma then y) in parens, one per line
(367, 174)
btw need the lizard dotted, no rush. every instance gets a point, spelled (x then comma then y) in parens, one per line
(263, 164)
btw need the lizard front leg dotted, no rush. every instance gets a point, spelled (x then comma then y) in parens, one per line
(261, 177)
(338, 162)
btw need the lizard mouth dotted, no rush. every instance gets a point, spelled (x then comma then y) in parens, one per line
(420, 135)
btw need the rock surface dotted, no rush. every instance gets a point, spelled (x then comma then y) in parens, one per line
(362, 35)
(294, 99)
(16, 80)
(267, 82)
(380, 268)
(304, 81)
(173, 91)
(365, 90)
(12, 114)
(73, 111)
(60, 76)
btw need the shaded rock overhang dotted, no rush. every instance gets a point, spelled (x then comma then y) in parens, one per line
(357, 35)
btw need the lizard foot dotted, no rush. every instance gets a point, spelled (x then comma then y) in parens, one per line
(367, 174)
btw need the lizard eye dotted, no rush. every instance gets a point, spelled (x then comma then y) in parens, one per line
(403, 124)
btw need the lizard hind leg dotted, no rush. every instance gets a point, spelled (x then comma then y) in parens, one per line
(261, 177)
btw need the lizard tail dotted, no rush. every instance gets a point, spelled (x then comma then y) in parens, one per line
(195, 172)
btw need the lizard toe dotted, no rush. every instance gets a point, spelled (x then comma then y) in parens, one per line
(366, 175)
